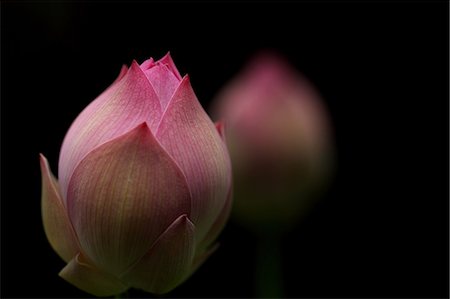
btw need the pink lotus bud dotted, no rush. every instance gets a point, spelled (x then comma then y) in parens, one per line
(278, 134)
(144, 185)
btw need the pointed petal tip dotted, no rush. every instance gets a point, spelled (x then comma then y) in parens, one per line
(143, 126)
(138, 75)
(185, 82)
(184, 90)
(134, 64)
(142, 129)
(123, 69)
(90, 279)
(56, 224)
(167, 60)
(46, 171)
(134, 72)
(147, 64)
(123, 72)
(167, 262)
(42, 160)
(184, 220)
(167, 57)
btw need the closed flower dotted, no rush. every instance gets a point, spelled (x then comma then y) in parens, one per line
(280, 143)
(144, 185)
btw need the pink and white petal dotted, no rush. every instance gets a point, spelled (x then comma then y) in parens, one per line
(164, 82)
(168, 260)
(115, 112)
(56, 222)
(122, 196)
(90, 279)
(167, 60)
(219, 224)
(190, 137)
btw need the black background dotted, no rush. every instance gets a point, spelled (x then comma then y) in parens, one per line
(382, 68)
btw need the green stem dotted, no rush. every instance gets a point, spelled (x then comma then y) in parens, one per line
(269, 280)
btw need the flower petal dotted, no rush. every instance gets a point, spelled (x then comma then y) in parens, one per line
(119, 109)
(147, 64)
(164, 82)
(56, 222)
(189, 136)
(88, 278)
(167, 262)
(218, 225)
(167, 60)
(122, 196)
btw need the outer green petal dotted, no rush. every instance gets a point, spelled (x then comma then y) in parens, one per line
(88, 278)
(123, 196)
(167, 262)
(54, 216)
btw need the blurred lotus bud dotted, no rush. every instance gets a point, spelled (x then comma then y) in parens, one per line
(144, 185)
(278, 134)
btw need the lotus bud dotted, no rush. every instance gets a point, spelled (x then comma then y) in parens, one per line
(278, 134)
(144, 185)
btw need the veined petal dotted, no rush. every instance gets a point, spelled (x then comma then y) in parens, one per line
(54, 216)
(189, 136)
(119, 109)
(219, 224)
(88, 278)
(122, 196)
(147, 64)
(167, 262)
(164, 82)
(167, 60)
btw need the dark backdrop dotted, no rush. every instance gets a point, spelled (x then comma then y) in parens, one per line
(382, 68)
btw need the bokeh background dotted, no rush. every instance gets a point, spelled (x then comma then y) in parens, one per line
(381, 229)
